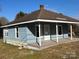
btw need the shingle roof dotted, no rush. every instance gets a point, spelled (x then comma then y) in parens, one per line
(44, 14)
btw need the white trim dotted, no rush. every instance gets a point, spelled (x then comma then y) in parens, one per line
(57, 32)
(15, 33)
(19, 23)
(71, 31)
(42, 20)
(57, 21)
(39, 34)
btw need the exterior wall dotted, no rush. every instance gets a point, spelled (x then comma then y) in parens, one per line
(11, 36)
(25, 35)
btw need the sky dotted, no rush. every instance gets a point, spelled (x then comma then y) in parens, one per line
(9, 8)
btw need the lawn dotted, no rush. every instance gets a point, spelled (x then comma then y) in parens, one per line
(62, 51)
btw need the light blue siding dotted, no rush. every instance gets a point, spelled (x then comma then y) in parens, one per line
(24, 36)
(11, 37)
(22, 33)
(63, 36)
(11, 33)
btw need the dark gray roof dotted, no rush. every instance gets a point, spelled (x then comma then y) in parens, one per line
(44, 14)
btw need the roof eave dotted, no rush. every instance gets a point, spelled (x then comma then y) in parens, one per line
(41, 20)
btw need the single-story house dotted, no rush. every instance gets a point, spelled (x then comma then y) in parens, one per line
(39, 26)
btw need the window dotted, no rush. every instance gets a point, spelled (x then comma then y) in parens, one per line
(46, 29)
(6, 32)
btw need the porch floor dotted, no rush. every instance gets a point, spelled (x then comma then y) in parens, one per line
(49, 43)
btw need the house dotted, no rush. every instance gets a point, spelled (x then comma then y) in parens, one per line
(39, 26)
(3, 21)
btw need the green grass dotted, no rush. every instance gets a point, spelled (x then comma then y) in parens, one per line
(62, 51)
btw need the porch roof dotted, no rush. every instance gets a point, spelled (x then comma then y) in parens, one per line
(43, 15)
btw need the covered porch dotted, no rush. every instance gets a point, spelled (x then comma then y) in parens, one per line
(52, 32)
(48, 35)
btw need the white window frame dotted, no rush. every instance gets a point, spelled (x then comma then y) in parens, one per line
(16, 33)
(6, 32)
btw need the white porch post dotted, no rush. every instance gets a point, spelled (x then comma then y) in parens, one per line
(39, 34)
(71, 31)
(57, 32)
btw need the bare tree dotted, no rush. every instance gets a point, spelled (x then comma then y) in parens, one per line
(3, 21)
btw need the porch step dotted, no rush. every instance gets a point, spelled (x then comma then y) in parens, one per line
(31, 47)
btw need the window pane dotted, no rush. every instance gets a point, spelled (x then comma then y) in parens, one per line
(6, 32)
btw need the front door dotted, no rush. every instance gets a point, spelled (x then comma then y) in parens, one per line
(46, 32)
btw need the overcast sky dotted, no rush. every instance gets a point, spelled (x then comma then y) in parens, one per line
(9, 8)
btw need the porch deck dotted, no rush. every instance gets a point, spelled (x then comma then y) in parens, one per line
(49, 43)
